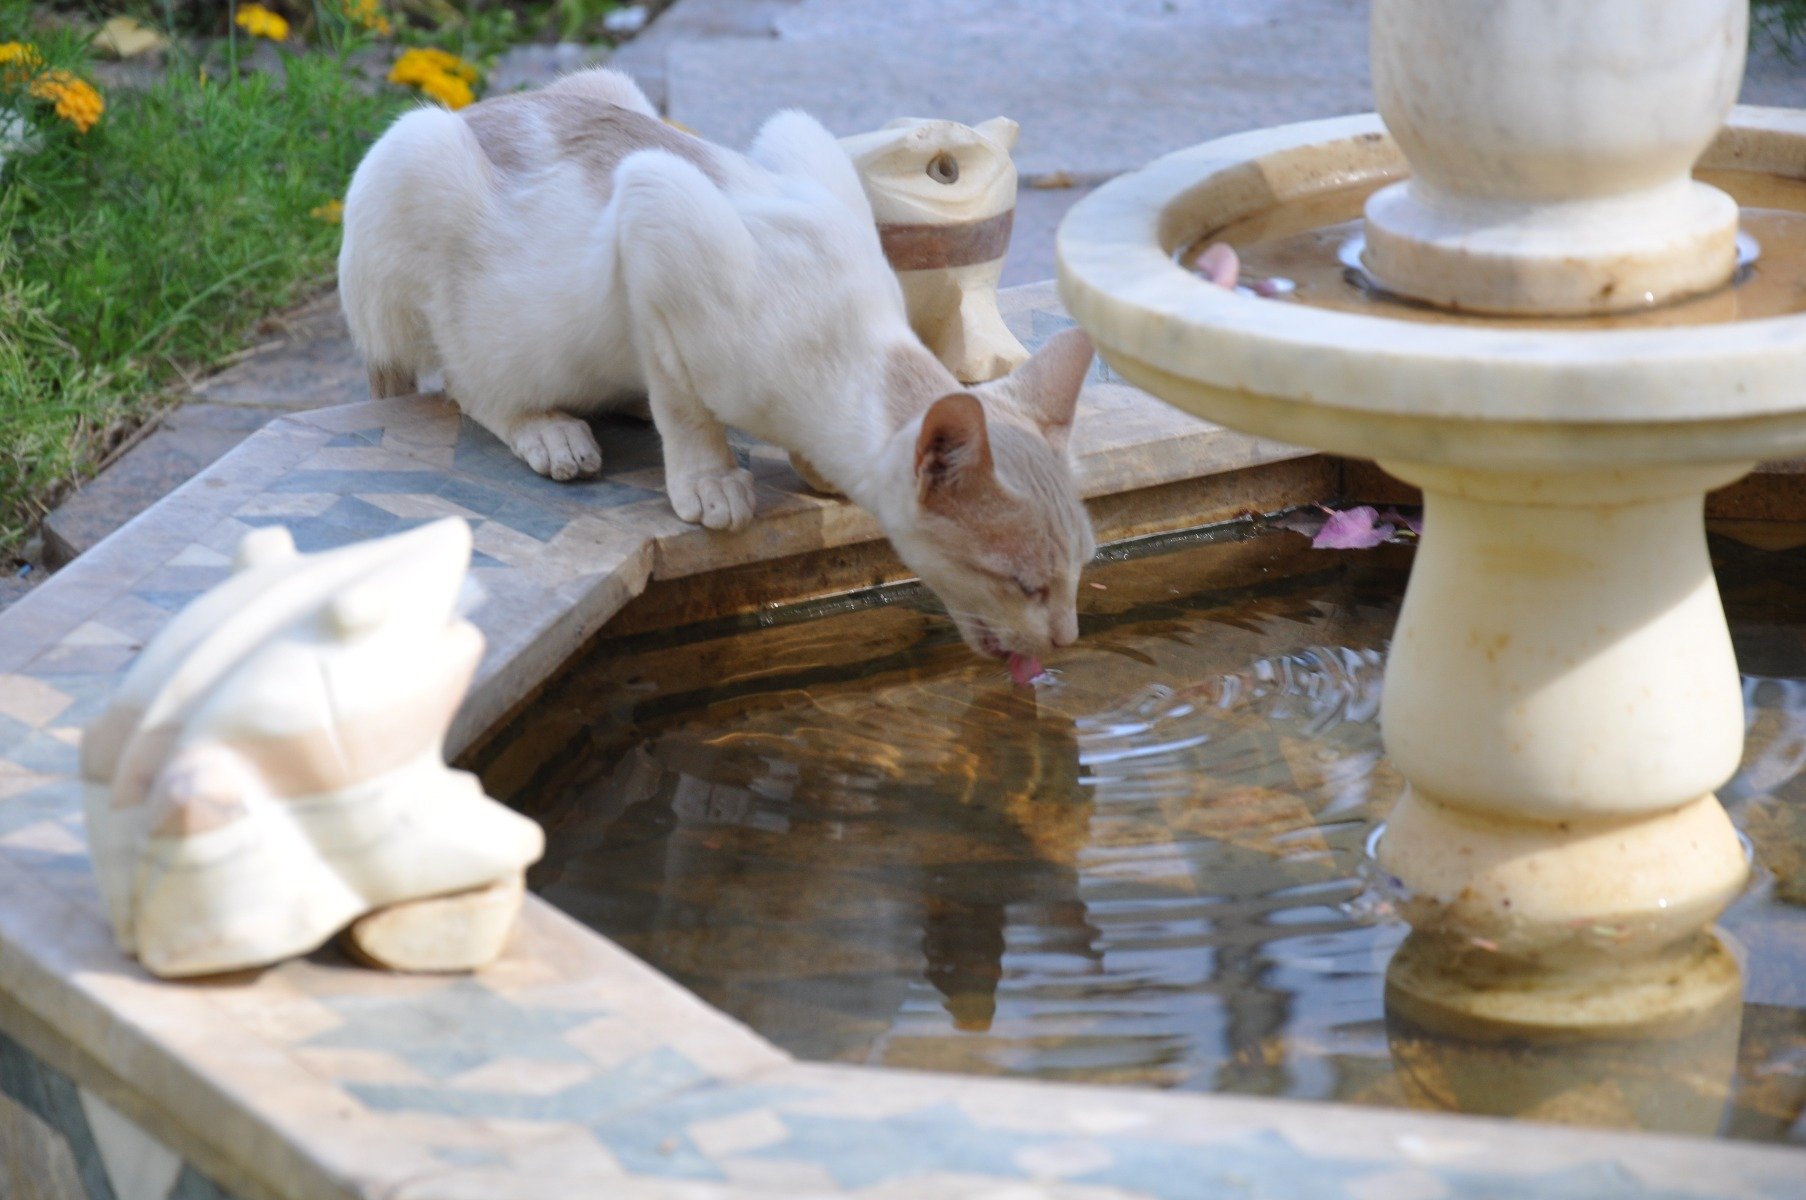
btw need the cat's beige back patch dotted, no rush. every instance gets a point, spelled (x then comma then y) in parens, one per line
(527, 131)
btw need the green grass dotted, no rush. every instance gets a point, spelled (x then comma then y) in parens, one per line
(1782, 20)
(149, 247)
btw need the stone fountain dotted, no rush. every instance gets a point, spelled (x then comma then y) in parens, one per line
(1550, 326)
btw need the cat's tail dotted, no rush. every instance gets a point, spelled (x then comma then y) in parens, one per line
(413, 215)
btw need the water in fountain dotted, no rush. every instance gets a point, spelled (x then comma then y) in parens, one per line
(842, 829)
(1313, 246)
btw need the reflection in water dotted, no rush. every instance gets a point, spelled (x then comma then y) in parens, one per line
(1775, 723)
(849, 834)
(1309, 243)
(1646, 1044)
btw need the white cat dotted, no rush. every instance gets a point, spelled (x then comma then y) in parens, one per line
(565, 252)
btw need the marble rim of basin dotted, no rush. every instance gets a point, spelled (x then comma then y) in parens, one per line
(1552, 147)
(1561, 696)
(1380, 388)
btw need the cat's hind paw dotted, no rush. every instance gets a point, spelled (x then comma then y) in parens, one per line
(556, 445)
(714, 499)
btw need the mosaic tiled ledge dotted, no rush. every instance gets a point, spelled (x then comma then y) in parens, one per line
(571, 1069)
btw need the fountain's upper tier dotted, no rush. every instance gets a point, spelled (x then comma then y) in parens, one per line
(1550, 143)
(1471, 393)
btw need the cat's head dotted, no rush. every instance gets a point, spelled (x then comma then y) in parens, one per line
(994, 524)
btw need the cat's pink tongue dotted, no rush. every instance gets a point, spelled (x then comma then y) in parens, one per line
(1024, 669)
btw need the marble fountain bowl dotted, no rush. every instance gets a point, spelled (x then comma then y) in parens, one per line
(1711, 380)
(1562, 693)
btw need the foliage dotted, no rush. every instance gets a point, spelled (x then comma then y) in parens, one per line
(146, 247)
(1784, 21)
(474, 29)
(144, 232)
(56, 411)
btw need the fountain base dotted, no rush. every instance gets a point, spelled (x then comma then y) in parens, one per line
(1563, 699)
(1580, 258)
(1562, 895)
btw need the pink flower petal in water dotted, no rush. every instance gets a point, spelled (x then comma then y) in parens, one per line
(1024, 669)
(1353, 529)
(1219, 264)
(1414, 524)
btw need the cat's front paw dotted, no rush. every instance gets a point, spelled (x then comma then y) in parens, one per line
(556, 445)
(713, 499)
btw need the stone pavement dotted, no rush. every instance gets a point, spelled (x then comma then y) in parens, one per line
(309, 363)
(1099, 87)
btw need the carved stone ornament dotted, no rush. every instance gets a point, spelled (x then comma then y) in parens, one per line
(944, 196)
(271, 768)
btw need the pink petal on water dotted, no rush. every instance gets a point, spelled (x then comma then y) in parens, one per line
(1353, 529)
(1219, 264)
(1414, 524)
(1024, 669)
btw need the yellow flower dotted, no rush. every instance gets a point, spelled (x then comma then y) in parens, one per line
(445, 77)
(23, 53)
(367, 14)
(332, 212)
(259, 21)
(20, 61)
(75, 99)
(426, 60)
(448, 90)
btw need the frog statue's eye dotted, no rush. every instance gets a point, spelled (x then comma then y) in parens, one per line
(943, 168)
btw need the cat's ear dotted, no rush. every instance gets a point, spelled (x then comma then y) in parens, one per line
(1046, 387)
(953, 451)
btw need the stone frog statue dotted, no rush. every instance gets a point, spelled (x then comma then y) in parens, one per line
(944, 197)
(270, 770)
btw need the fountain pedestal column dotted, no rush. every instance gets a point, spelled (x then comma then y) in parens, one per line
(1563, 700)
(1562, 697)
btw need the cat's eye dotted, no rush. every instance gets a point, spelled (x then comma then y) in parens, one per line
(943, 168)
(1033, 593)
